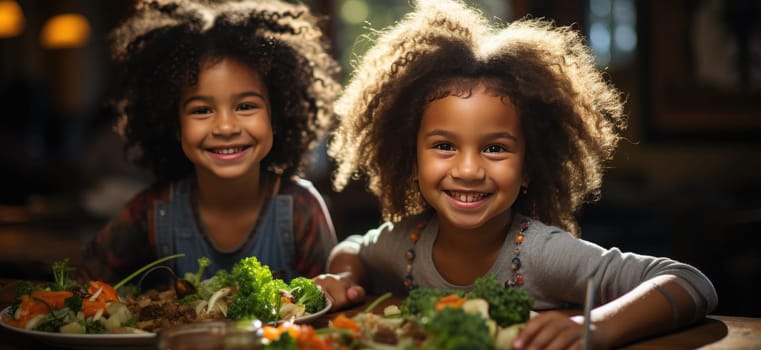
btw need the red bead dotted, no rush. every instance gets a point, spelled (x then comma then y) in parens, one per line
(518, 279)
(524, 226)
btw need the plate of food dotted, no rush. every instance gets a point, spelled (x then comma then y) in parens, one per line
(70, 313)
(487, 317)
(130, 339)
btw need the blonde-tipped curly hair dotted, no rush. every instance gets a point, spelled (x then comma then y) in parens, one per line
(571, 115)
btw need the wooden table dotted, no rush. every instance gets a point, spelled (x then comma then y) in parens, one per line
(714, 332)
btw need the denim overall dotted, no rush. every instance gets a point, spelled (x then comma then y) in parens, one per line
(177, 232)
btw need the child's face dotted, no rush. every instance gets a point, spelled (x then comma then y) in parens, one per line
(225, 120)
(470, 154)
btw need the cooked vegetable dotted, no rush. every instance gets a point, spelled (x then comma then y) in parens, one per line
(507, 306)
(62, 280)
(195, 279)
(250, 275)
(221, 279)
(421, 301)
(453, 328)
(250, 303)
(307, 293)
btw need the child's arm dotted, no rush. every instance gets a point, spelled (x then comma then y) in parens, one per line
(658, 305)
(346, 275)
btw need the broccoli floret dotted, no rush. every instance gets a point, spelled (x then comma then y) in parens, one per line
(263, 304)
(453, 328)
(307, 293)
(195, 279)
(421, 301)
(250, 275)
(507, 306)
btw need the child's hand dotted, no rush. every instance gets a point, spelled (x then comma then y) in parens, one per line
(341, 291)
(555, 330)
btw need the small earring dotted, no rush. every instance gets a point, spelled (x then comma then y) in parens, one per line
(524, 189)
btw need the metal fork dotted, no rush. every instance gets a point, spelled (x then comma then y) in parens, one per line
(589, 300)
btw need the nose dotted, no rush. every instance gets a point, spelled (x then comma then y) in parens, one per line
(468, 166)
(226, 124)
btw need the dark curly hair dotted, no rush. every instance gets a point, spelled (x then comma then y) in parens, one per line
(571, 116)
(159, 51)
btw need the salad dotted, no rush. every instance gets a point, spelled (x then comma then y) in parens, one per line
(488, 317)
(245, 293)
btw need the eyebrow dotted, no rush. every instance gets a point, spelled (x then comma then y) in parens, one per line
(494, 135)
(209, 98)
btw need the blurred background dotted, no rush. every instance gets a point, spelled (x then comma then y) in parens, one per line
(684, 183)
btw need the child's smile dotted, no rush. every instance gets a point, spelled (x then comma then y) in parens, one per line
(467, 198)
(228, 153)
(470, 158)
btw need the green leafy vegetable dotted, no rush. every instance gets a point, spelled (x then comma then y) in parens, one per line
(453, 328)
(23, 288)
(74, 303)
(61, 272)
(250, 275)
(421, 301)
(94, 327)
(252, 301)
(145, 268)
(507, 306)
(307, 293)
(195, 279)
(221, 279)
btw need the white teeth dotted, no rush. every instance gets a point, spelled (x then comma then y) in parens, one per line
(467, 197)
(227, 150)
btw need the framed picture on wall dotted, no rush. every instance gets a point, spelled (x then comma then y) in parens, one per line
(701, 64)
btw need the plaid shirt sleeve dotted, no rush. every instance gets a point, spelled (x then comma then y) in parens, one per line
(313, 229)
(127, 242)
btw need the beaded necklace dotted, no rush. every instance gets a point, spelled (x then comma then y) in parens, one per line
(515, 280)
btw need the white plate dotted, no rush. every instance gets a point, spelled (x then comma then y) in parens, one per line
(314, 316)
(121, 341)
(88, 341)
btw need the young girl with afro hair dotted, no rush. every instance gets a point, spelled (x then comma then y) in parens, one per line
(223, 101)
(482, 142)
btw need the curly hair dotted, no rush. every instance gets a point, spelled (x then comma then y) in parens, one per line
(571, 116)
(160, 50)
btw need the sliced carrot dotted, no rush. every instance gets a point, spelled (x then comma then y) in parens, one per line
(107, 294)
(343, 322)
(452, 300)
(270, 333)
(54, 298)
(90, 308)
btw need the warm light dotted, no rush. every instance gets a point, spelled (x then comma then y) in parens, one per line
(65, 31)
(11, 19)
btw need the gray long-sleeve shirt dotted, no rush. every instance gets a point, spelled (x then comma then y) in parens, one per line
(555, 265)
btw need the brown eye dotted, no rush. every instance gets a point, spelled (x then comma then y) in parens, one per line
(494, 149)
(443, 146)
